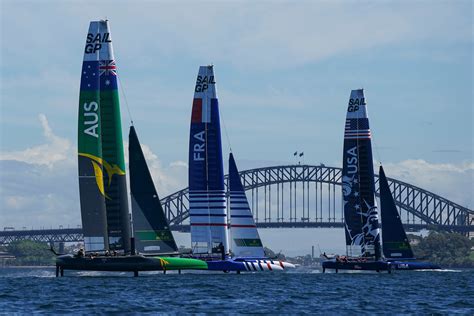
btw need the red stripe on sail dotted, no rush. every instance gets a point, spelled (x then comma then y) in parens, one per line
(196, 116)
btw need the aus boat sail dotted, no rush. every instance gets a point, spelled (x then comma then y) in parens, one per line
(102, 180)
(207, 194)
(362, 231)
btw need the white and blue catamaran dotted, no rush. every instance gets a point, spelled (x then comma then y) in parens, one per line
(207, 194)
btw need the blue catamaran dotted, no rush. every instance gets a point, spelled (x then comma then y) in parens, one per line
(363, 249)
(362, 230)
(207, 195)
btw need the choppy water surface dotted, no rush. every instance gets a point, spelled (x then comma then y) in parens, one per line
(27, 290)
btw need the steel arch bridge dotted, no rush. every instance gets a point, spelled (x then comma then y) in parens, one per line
(306, 196)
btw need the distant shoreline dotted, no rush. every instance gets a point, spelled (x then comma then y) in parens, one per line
(27, 267)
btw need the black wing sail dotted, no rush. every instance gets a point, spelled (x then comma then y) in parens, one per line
(395, 243)
(358, 188)
(152, 233)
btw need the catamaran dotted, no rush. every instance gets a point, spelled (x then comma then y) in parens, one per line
(362, 230)
(363, 249)
(207, 195)
(102, 180)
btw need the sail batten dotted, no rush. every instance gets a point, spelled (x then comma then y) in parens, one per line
(208, 214)
(246, 241)
(358, 188)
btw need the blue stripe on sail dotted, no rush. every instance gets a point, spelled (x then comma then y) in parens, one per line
(197, 163)
(242, 216)
(212, 214)
(240, 208)
(90, 75)
(357, 123)
(215, 165)
(206, 194)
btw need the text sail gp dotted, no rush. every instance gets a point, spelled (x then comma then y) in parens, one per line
(358, 188)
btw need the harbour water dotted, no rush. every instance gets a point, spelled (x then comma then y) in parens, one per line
(28, 290)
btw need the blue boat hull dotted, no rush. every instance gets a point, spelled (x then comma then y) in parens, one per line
(357, 265)
(414, 265)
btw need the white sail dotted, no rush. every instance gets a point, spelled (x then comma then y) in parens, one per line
(244, 235)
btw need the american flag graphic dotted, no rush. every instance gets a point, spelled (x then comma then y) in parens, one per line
(107, 68)
(357, 128)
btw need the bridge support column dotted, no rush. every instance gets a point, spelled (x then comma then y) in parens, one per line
(61, 247)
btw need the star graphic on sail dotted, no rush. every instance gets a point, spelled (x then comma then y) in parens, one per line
(89, 79)
(356, 194)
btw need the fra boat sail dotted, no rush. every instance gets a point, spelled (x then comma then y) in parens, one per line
(207, 196)
(362, 230)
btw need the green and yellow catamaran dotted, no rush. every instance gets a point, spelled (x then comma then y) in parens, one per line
(102, 179)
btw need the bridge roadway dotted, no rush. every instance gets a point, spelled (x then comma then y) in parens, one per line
(61, 235)
(298, 196)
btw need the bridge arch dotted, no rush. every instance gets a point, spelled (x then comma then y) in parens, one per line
(419, 208)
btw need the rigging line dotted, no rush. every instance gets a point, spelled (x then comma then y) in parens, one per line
(125, 98)
(225, 131)
(359, 198)
(376, 147)
(208, 111)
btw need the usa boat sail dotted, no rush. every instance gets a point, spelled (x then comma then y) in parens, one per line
(361, 223)
(102, 179)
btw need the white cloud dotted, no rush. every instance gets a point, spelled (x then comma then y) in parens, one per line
(55, 150)
(167, 179)
(262, 35)
(39, 185)
(454, 182)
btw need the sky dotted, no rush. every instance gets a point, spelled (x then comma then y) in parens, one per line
(284, 72)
